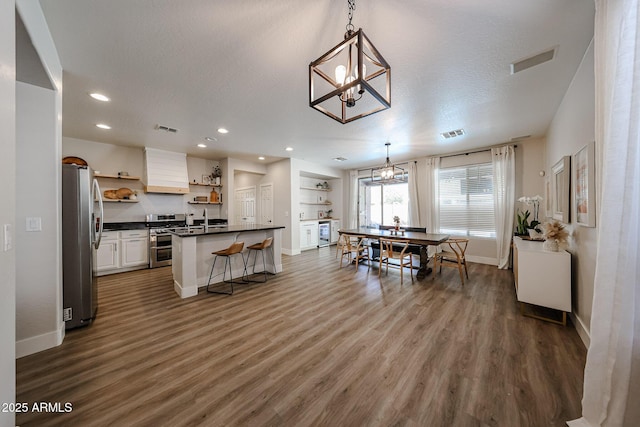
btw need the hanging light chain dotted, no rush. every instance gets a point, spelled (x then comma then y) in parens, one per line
(352, 7)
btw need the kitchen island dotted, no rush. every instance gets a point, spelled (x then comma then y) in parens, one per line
(192, 256)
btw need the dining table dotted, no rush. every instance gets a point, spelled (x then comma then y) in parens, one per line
(424, 240)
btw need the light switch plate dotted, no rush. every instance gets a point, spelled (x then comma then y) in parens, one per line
(34, 224)
(7, 233)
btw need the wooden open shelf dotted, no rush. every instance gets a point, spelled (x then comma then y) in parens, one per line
(131, 178)
(205, 185)
(315, 188)
(117, 200)
(204, 203)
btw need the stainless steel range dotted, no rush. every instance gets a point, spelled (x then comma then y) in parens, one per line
(159, 237)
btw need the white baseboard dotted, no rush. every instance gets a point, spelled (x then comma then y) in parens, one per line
(582, 329)
(482, 260)
(184, 292)
(290, 251)
(39, 343)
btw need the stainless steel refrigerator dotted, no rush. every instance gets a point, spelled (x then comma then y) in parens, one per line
(82, 213)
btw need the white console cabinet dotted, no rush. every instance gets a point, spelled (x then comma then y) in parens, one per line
(542, 277)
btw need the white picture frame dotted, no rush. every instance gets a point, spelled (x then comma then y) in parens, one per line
(561, 186)
(584, 183)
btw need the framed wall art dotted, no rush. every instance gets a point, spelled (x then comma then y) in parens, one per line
(560, 185)
(584, 183)
(548, 198)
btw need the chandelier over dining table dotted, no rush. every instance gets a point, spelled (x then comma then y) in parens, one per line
(388, 173)
(352, 80)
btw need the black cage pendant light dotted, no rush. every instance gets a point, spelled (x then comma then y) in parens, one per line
(352, 80)
(388, 173)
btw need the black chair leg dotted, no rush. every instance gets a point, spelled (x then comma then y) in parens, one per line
(224, 275)
(264, 265)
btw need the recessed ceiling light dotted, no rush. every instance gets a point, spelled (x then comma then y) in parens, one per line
(201, 145)
(222, 130)
(210, 139)
(99, 97)
(261, 158)
(103, 126)
(289, 149)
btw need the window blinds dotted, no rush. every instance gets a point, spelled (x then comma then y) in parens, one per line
(466, 200)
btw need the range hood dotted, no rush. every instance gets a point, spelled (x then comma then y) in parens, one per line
(165, 172)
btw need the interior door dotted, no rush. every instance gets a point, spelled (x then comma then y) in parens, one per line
(245, 205)
(266, 204)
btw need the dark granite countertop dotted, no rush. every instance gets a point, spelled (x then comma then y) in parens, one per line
(198, 231)
(116, 226)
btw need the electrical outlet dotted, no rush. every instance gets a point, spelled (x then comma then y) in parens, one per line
(67, 314)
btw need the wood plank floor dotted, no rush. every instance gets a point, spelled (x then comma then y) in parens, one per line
(315, 345)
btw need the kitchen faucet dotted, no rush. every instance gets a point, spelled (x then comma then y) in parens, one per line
(206, 219)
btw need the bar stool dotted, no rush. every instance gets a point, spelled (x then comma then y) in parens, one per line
(265, 245)
(234, 249)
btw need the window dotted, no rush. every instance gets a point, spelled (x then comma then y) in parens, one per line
(378, 204)
(466, 200)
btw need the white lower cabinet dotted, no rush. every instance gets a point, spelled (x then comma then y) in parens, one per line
(308, 235)
(122, 251)
(335, 227)
(134, 245)
(106, 257)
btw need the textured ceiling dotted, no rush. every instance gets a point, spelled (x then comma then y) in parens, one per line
(198, 65)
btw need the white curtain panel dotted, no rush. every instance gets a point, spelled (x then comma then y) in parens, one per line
(611, 393)
(432, 219)
(504, 182)
(353, 199)
(414, 200)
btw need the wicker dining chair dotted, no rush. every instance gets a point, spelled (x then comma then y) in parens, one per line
(396, 249)
(453, 255)
(354, 247)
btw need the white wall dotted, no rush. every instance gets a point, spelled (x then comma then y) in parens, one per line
(110, 159)
(247, 179)
(39, 323)
(7, 211)
(279, 174)
(571, 129)
(530, 161)
(40, 327)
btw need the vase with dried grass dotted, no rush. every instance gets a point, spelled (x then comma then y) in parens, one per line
(555, 235)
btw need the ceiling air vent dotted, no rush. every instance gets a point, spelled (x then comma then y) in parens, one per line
(532, 61)
(520, 138)
(339, 159)
(166, 128)
(452, 133)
